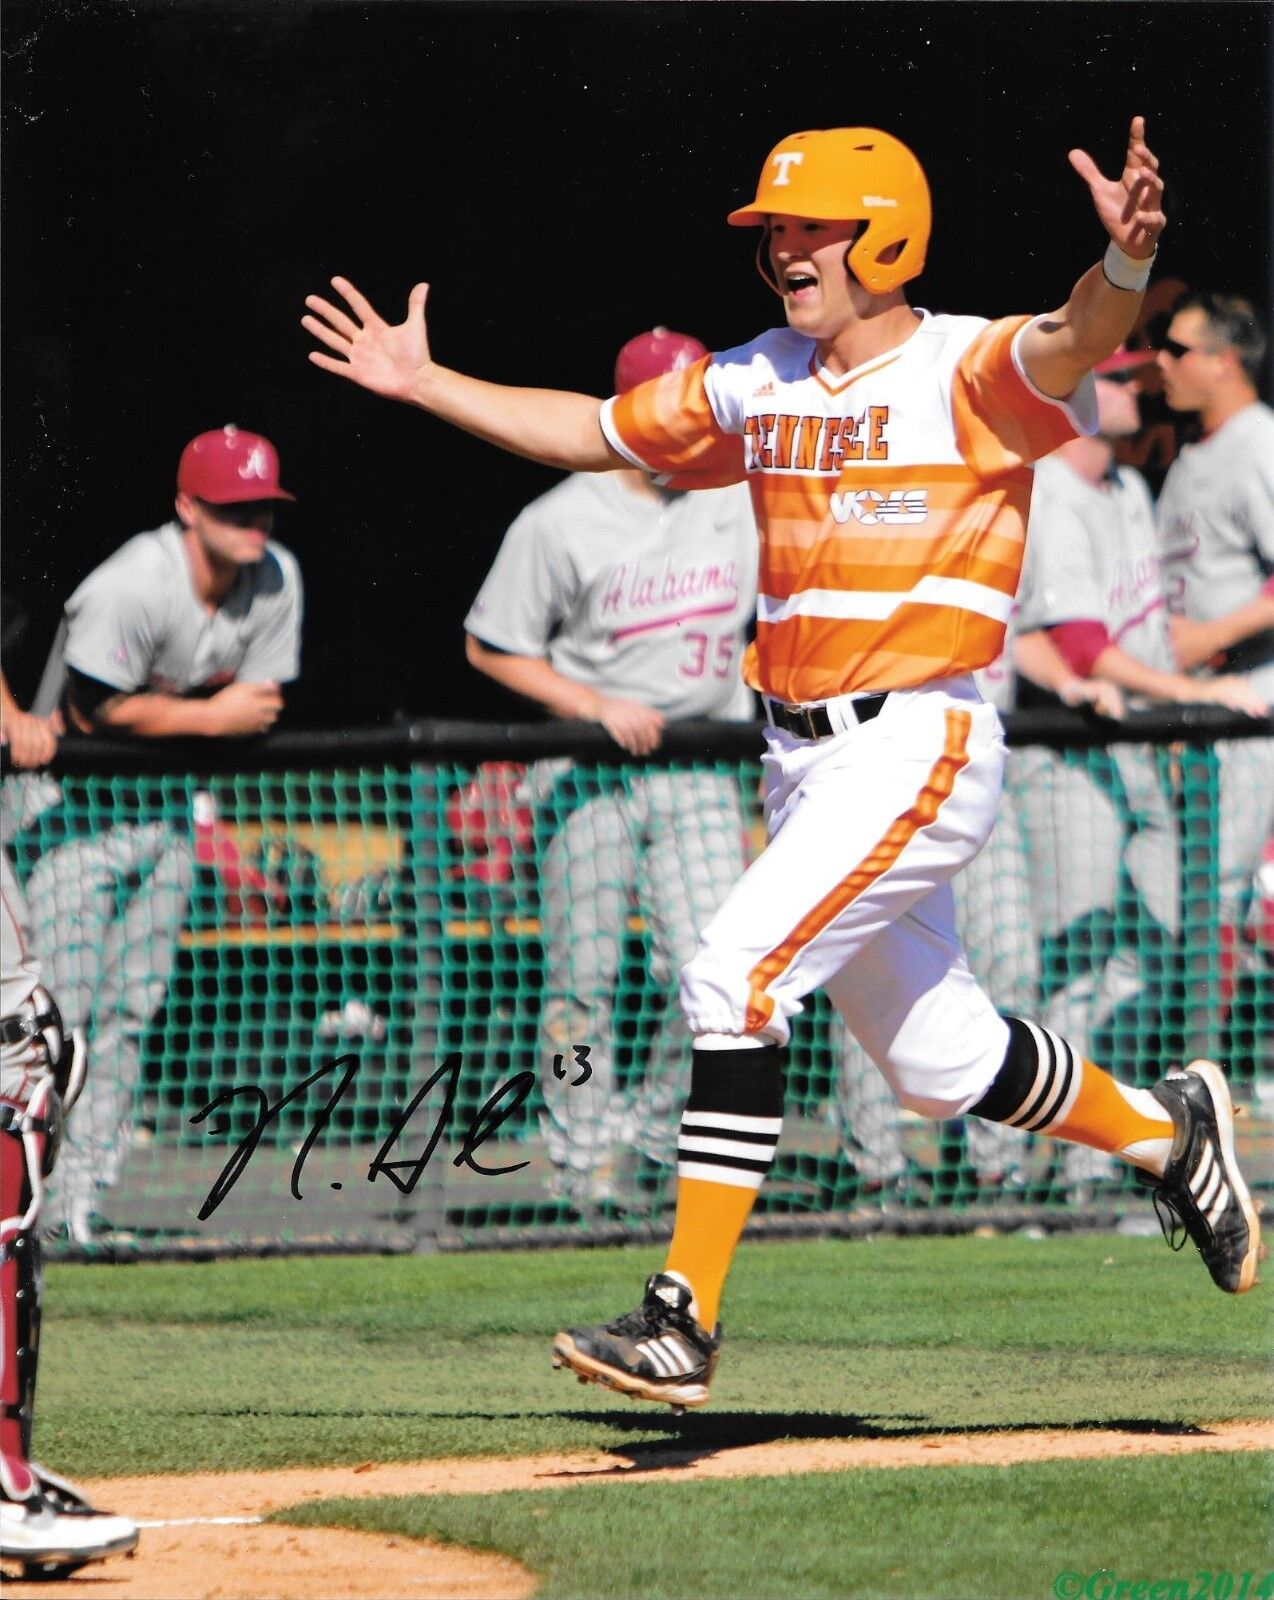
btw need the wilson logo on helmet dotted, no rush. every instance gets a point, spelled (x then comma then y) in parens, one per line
(850, 175)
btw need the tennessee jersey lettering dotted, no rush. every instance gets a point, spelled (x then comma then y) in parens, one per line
(891, 501)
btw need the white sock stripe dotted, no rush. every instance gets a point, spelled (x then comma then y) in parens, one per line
(727, 1147)
(1041, 1071)
(712, 1121)
(735, 1177)
(1067, 1070)
(1051, 1052)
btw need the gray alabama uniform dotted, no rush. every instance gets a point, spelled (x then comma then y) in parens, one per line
(107, 909)
(1094, 816)
(1216, 530)
(995, 924)
(647, 600)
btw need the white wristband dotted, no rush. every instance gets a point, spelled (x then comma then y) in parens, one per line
(1123, 271)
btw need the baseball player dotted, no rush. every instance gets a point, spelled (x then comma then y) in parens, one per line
(46, 1526)
(189, 629)
(1092, 580)
(888, 455)
(1216, 527)
(625, 603)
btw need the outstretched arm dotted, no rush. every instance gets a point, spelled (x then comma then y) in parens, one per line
(552, 426)
(1099, 315)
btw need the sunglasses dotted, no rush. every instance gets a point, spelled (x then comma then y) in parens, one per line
(1175, 349)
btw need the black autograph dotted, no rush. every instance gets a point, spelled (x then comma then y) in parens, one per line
(405, 1174)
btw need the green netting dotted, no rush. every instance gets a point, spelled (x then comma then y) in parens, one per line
(419, 936)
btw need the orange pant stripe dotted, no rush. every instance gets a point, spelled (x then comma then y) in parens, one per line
(879, 859)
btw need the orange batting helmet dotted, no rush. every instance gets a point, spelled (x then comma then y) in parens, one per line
(847, 174)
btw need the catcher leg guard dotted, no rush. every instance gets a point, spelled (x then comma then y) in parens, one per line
(20, 1297)
(37, 1065)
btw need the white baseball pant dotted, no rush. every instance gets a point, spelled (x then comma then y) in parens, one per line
(853, 893)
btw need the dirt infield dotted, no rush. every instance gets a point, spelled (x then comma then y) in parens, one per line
(204, 1541)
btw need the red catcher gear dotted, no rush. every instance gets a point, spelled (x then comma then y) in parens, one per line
(226, 467)
(651, 354)
(848, 175)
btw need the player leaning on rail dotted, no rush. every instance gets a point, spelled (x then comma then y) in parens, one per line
(888, 455)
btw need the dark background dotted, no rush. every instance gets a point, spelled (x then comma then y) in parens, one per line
(177, 177)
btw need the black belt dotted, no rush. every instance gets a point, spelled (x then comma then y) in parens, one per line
(814, 722)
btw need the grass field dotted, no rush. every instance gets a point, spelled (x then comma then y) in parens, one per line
(976, 1532)
(165, 1369)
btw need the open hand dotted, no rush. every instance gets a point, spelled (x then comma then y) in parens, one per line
(1130, 206)
(387, 359)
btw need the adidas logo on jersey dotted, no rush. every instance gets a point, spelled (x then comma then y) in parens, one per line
(871, 506)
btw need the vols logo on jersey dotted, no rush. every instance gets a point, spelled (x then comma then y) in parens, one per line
(872, 506)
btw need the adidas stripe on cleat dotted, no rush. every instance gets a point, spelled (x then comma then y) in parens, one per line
(657, 1352)
(1202, 1191)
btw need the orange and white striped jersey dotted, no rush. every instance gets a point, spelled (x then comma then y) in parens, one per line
(891, 501)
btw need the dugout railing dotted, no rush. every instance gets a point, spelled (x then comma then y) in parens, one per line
(338, 1036)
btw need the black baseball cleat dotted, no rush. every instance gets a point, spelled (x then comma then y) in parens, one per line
(657, 1352)
(1202, 1190)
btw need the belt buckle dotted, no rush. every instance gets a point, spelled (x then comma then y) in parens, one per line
(803, 716)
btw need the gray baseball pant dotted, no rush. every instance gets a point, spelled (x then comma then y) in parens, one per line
(107, 913)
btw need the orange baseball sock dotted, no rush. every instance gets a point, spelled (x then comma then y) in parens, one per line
(710, 1221)
(1113, 1116)
(1046, 1086)
(725, 1146)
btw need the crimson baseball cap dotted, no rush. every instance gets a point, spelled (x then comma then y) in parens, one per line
(1124, 360)
(651, 354)
(228, 466)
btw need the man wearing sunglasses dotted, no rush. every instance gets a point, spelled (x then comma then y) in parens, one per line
(189, 630)
(1216, 527)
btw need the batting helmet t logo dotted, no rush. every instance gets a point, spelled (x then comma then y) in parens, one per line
(850, 175)
(783, 159)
